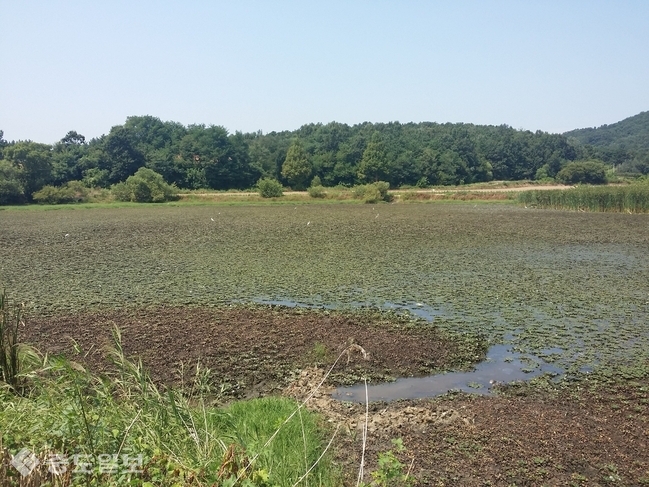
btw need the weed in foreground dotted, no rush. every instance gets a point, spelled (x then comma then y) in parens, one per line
(69, 415)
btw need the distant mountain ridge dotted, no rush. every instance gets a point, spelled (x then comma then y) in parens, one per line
(630, 134)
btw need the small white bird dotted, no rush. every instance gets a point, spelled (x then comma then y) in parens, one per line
(212, 219)
(67, 234)
(308, 223)
(377, 215)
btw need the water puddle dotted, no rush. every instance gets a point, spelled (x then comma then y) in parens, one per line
(416, 309)
(502, 365)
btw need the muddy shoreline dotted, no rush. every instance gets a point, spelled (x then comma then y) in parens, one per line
(542, 434)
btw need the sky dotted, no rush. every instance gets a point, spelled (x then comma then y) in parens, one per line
(276, 65)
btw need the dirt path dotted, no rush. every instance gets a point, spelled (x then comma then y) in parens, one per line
(423, 191)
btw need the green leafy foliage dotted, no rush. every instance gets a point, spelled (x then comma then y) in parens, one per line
(181, 439)
(12, 190)
(583, 172)
(270, 188)
(317, 192)
(33, 164)
(145, 186)
(70, 192)
(630, 133)
(373, 193)
(391, 471)
(374, 164)
(296, 168)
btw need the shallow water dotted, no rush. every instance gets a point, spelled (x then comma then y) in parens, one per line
(502, 365)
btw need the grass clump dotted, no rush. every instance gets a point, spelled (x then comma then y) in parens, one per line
(170, 437)
(623, 199)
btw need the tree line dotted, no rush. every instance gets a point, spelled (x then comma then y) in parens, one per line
(200, 156)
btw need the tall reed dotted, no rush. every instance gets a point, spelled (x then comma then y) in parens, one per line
(623, 199)
(10, 322)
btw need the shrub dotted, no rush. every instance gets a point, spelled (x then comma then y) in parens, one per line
(316, 181)
(422, 182)
(316, 192)
(270, 188)
(586, 172)
(70, 192)
(373, 193)
(383, 187)
(145, 186)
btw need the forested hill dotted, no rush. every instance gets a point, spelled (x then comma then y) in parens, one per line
(631, 134)
(624, 144)
(199, 156)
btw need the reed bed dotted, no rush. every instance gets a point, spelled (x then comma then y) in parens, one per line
(619, 199)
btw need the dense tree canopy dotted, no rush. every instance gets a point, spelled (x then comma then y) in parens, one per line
(297, 167)
(199, 156)
(624, 144)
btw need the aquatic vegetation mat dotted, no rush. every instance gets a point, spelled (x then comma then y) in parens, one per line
(573, 287)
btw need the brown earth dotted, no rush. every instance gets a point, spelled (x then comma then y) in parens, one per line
(253, 350)
(526, 436)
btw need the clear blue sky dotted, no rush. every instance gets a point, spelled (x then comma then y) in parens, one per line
(276, 65)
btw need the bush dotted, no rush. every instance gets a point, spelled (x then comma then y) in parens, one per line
(383, 187)
(373, 193)
(422, 182)
(316, 192)
(70, 192)
(270, 188)
(587, 172)
(316, 181)
(145, 186)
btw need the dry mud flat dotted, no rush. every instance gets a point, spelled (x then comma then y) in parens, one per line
(526, 436)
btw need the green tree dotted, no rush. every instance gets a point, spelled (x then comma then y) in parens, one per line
(33, 162)
(12, 190)
(145, 186)
(297, 168)
(585, 172)
(66, 157)
(121, 156)
(374, 164)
